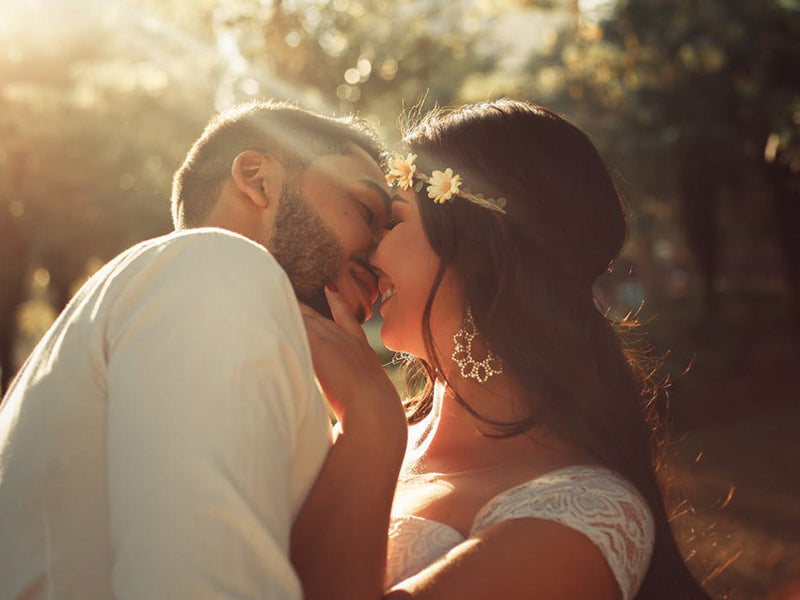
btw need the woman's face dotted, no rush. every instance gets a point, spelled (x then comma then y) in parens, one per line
(408, 267)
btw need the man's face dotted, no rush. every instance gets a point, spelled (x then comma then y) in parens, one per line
(327, 223)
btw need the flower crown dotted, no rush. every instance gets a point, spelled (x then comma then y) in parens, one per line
(443, 186)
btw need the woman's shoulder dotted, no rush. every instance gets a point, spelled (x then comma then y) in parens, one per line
(594, 500)
(578, 481)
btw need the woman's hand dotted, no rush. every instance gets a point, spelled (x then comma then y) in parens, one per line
(349, 371)
(338, 545)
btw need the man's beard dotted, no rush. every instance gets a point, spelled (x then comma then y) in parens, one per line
(306, 248)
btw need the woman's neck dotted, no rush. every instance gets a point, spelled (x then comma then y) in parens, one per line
(452, 440)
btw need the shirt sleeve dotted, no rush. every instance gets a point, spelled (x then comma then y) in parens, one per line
(595, 501)
(207, 378)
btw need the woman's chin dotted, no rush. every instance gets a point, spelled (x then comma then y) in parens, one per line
(390, 341)
(398, 346)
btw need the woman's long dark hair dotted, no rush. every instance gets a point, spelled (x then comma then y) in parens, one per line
(528, 277)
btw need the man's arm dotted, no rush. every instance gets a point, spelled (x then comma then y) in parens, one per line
(206, 379)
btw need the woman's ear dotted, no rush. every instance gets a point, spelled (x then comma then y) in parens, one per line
(258, 177)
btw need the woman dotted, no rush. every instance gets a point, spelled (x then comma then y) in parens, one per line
(530, 468)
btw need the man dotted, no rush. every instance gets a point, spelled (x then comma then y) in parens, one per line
(161, 438)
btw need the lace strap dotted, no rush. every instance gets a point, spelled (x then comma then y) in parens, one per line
(595, 501)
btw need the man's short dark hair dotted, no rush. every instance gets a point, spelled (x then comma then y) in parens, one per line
(291, 134)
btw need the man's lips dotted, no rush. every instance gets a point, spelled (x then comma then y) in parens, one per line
(367, 285)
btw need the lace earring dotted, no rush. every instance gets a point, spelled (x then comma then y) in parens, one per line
(463, 353)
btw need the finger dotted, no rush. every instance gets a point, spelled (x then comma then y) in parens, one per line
(318, 328)
(310, 318)
(321, 333)
(341, 313)
(306, 310)
(315, 320)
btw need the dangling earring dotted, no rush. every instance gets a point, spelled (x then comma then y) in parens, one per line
(462, 353)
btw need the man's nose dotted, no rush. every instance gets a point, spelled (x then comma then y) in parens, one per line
(363, 264)
(376, 241)
(377, 236)
(371, 259)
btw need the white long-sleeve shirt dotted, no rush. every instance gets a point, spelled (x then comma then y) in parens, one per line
(161, 438)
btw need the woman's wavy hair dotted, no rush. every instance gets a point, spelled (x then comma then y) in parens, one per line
(528, 276)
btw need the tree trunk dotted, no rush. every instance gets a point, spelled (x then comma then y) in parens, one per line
(699, 203)
(785, 192)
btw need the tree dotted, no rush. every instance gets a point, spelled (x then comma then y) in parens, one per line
(97, 118)
(92, 125)
(699, 102)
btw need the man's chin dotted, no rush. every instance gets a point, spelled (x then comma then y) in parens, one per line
(317, 301)
(361, 314)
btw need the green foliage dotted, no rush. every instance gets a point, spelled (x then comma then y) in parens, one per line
(367, 56)
(658, 73)
(99, 105)
(91, 127)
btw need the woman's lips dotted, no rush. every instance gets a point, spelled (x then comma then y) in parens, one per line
(386, 290)
(387, 293)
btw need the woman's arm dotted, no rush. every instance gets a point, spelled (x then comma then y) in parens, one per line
(339, 540)
(526, 558)
(338, 543)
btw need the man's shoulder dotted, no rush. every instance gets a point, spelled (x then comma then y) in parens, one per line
(224, 264)
(207, 239)
(206, 235)
(204, 249)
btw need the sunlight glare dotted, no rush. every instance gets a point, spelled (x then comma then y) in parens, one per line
(140, 44)
(595, 11)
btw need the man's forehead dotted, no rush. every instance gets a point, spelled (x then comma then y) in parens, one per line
(355, 174)
(356, 164)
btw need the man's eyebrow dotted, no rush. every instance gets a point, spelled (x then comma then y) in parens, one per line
(384, 195)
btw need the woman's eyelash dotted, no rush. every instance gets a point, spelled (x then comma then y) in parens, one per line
(391, 224)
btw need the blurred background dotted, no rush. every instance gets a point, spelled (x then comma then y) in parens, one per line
(694, 103)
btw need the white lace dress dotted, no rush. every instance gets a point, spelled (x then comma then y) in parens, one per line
(593, 500)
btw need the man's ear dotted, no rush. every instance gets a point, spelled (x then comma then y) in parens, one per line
(259, 177)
